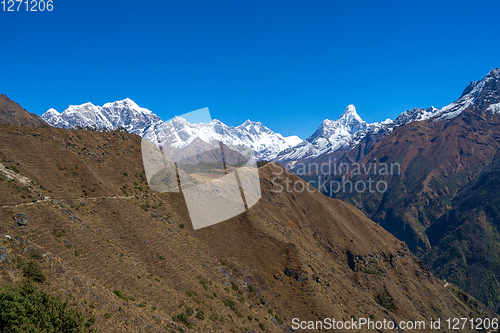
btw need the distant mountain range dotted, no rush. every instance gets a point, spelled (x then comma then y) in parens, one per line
(77, 203)
(332, 139)
(444, 203)
(178, 132)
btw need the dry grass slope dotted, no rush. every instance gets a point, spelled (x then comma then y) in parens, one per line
(13, 113)
(113, 248)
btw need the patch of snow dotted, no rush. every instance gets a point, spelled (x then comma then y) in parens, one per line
(494, 108)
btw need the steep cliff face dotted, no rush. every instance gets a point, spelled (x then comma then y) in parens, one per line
(466, 240)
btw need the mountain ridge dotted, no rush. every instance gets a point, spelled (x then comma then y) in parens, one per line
(331, 136)
(13, 113)
(128, 115)
(355, 145)
(128, 255)
(445, 162)
(331, 140)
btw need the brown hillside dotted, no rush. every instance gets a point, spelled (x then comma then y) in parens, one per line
(101, 229)
(440, 161)
(437, 159)
(13, 113)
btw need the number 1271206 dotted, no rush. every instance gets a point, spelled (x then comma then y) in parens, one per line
(27, 5)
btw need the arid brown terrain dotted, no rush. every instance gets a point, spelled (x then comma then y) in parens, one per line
(95, 227)
(443, 202)
(13, 113)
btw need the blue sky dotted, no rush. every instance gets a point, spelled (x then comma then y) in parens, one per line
(289, 64)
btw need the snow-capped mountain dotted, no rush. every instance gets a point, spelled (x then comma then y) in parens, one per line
(347, 132)
(333, 135)
(481, 93)
(415, 114)
(125, 113)
(339, 135)
(178, 132)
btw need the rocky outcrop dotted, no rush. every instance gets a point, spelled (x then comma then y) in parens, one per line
(297, 275)
(21, 219)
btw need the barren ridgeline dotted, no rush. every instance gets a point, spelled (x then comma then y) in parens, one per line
(115, 249)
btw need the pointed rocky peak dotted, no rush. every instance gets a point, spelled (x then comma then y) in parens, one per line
(350, 116)
(218, 126)
(123, 102)
(79, 108)
(494, 73)
(247, 123)
(217, 122)
(254, 126)
(351, 121)
(482, 94)
(128, 101)
(51, 112)
(349, 110)
(337, 131)
(179, 121)
(469, 88)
